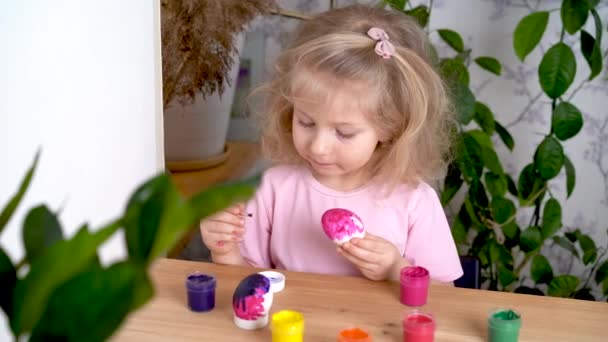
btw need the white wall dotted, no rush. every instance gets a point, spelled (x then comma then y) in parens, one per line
(81, 80)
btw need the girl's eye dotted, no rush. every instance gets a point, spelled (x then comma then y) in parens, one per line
(345, 135)
(306, 124)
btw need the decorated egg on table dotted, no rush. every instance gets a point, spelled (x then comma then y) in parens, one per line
(251, 302)
(341, 225)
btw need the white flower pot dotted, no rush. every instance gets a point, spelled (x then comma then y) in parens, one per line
(195, 134)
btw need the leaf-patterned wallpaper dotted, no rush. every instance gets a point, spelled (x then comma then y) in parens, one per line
(515, 97)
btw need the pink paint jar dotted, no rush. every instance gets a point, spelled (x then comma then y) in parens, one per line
(414, 285)
(418, 327)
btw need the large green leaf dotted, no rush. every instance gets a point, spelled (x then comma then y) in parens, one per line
(60, 262)
(566, 121)
(602, 273)
(484, 118)
(67, 315)
(157, 216)
(503, 209)
(541, 270)
(529, 184)
(505, 276)
(504, 135)
(557, 70)
(512, 233)
(488, 154)
(587, 246)
(552, 218)
(468, 157)
(563, 286)
(12, 204)
(496, 184)
(574, 14)
(530, 239)
(459, 231)
(464, 101)
(549, 158)
(454, 70)
(529, 32)
(567, 245)
(420, 13)
(452, 183)
(477, 195)
(41, 230)
(8, 280)
(452, 38)
(511, 186)
(490, 64)
(221, 196)
(592, 53)
(570, 175)
(598, 26)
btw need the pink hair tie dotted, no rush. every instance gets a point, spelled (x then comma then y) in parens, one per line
(383, 48)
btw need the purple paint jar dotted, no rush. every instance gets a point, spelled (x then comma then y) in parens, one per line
(414, 285)
(201, 291)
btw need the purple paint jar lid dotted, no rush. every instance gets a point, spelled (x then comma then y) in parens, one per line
(200, 282)
(415, 276)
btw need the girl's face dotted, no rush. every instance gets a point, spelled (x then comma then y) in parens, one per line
(336, 138)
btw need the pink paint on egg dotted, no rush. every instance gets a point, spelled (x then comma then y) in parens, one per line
(341, 225)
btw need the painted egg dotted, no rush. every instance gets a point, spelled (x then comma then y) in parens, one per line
(251, 301)
(341, 225)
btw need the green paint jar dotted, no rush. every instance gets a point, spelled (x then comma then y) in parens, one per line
(503, 326)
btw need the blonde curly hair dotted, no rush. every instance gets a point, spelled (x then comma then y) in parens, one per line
(411, 109)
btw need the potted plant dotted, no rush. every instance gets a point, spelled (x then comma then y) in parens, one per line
(60, 290)
(200, 46)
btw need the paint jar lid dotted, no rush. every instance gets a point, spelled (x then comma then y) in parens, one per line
(277, 280)
(200, 282)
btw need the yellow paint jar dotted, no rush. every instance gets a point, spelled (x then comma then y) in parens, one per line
(287, 326)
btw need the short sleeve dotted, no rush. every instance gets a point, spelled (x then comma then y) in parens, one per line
(255, 247)
(429, 242)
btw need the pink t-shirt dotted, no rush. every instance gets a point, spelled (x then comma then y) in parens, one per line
(285, 230)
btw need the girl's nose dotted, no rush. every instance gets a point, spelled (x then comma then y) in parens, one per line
(319, 145)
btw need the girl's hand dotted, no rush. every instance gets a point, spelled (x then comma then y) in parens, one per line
(377, 258)
(222, 231)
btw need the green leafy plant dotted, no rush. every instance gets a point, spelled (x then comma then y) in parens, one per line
(484, 224)
(66, 294)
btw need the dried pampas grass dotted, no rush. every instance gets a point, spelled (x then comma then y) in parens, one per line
(198, 43)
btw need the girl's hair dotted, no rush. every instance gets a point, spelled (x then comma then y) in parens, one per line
(405, 96)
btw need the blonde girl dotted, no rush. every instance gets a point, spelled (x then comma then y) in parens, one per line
(356, 118)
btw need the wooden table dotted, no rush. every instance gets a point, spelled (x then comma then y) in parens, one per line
(331, 303)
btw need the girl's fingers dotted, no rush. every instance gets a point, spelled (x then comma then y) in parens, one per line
(361, 264)
(235, 220)
(361, 253)
(374, 246)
